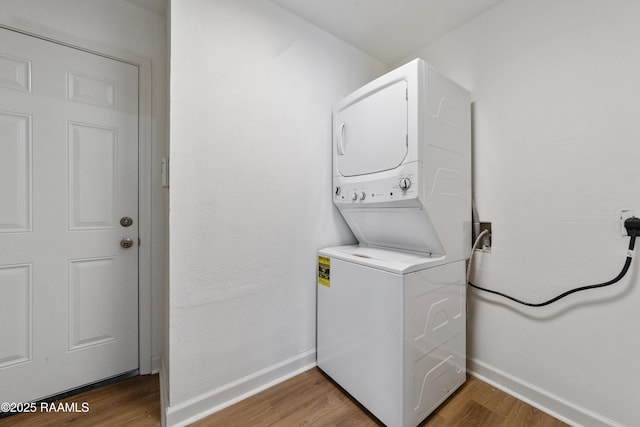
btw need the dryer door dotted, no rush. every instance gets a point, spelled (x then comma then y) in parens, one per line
(370, 135)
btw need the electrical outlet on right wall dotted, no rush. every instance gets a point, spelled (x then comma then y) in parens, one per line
(485, 244)
(624, 214)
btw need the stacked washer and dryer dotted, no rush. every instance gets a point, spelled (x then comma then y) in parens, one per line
(391, 310)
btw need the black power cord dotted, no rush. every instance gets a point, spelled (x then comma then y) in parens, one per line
(632, 226)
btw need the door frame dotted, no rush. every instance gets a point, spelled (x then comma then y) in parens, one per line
(143, 63)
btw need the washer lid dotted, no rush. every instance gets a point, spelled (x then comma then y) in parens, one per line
(370, 134)
(399, 262)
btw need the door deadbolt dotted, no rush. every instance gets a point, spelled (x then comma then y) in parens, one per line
(126, 221)
(126, 243)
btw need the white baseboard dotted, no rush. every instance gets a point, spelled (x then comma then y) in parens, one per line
(537, 397)
(156, 362)
(207, 403)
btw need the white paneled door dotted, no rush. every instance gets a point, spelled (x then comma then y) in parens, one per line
(68, 177)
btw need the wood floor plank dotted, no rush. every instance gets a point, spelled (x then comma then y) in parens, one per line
(527, 416)
(495, 400)
(474, 414)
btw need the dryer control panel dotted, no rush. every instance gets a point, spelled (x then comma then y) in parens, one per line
(399, 186)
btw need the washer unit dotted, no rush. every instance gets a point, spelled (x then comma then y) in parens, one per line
(391, 330)
(391, 317)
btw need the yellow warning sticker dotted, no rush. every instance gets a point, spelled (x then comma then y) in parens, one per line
(324, 275)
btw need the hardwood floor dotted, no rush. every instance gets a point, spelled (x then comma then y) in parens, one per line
(131, 402)
(309, 399)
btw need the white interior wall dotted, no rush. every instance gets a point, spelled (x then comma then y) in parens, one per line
(120, 25)
(251, 93)
(556, 144)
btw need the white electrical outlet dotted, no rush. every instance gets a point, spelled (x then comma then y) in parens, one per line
(623, 216)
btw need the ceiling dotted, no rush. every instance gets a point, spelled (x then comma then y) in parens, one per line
(389, 30)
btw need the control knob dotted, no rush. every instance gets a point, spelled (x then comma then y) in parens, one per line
(354, 196)
(363, 195)
(404, 184)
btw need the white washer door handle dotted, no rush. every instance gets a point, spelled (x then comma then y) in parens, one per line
(341, 140)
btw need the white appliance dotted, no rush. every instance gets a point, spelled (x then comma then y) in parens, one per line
(391, 318)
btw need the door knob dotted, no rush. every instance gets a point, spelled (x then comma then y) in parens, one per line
(126, 221)
(126, 243)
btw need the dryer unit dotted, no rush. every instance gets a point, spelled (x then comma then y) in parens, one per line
(402, 162)
(391, 318)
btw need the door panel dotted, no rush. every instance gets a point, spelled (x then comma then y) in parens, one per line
(68, 173)
(15, 314)
(91, 302)
(91, 90)
(15, 173)
(91, 174)
(15, 73)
